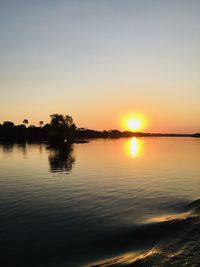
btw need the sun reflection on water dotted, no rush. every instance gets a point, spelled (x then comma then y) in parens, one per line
(134, 147)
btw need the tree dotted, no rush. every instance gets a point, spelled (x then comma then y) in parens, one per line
(63, 127)
(8, 124)
(69, 121)
(59, 121)
(41, 123)
(25, 122)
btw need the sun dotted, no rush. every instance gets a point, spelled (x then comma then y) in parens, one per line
(134, 124)
(133, 121)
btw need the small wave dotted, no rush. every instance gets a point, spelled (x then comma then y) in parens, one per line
(108, 262)
(171, 240)
(126, 259)
(194, 206)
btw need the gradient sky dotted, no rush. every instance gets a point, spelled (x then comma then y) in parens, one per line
(98, 60)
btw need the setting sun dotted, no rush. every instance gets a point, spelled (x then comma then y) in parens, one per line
(134, 124)
(133, 121)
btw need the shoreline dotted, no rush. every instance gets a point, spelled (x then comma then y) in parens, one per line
(86, 139)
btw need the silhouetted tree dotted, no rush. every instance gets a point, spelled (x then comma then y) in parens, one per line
(63, 128)
(59, 120)
(196, 135)
(8, 124)
(7, 130)
(25, 122)
(41, 123)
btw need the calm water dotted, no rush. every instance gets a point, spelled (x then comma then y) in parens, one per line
(124, 202)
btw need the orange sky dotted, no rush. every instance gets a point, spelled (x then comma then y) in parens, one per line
(97, 61)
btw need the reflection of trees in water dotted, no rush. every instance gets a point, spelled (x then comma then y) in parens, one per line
(22, 147)
(61, 158)
(9, 147)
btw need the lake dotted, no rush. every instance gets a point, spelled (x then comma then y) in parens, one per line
(109, 202)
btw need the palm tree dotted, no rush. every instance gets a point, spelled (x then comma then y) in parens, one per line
(41, 123)
(25, 122)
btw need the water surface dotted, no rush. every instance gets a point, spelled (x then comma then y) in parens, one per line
(122, 202)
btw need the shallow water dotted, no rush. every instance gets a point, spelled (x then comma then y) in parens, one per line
(123, 202)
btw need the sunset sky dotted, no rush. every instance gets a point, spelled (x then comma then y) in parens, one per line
(100, 60)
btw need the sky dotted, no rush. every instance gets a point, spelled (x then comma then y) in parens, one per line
(101, 60)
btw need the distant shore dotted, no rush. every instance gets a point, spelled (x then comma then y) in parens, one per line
(43, 134)
(63, 129)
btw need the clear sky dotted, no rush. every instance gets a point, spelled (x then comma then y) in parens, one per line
(98, 60)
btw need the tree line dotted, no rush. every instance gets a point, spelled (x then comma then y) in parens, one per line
(62, 128)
